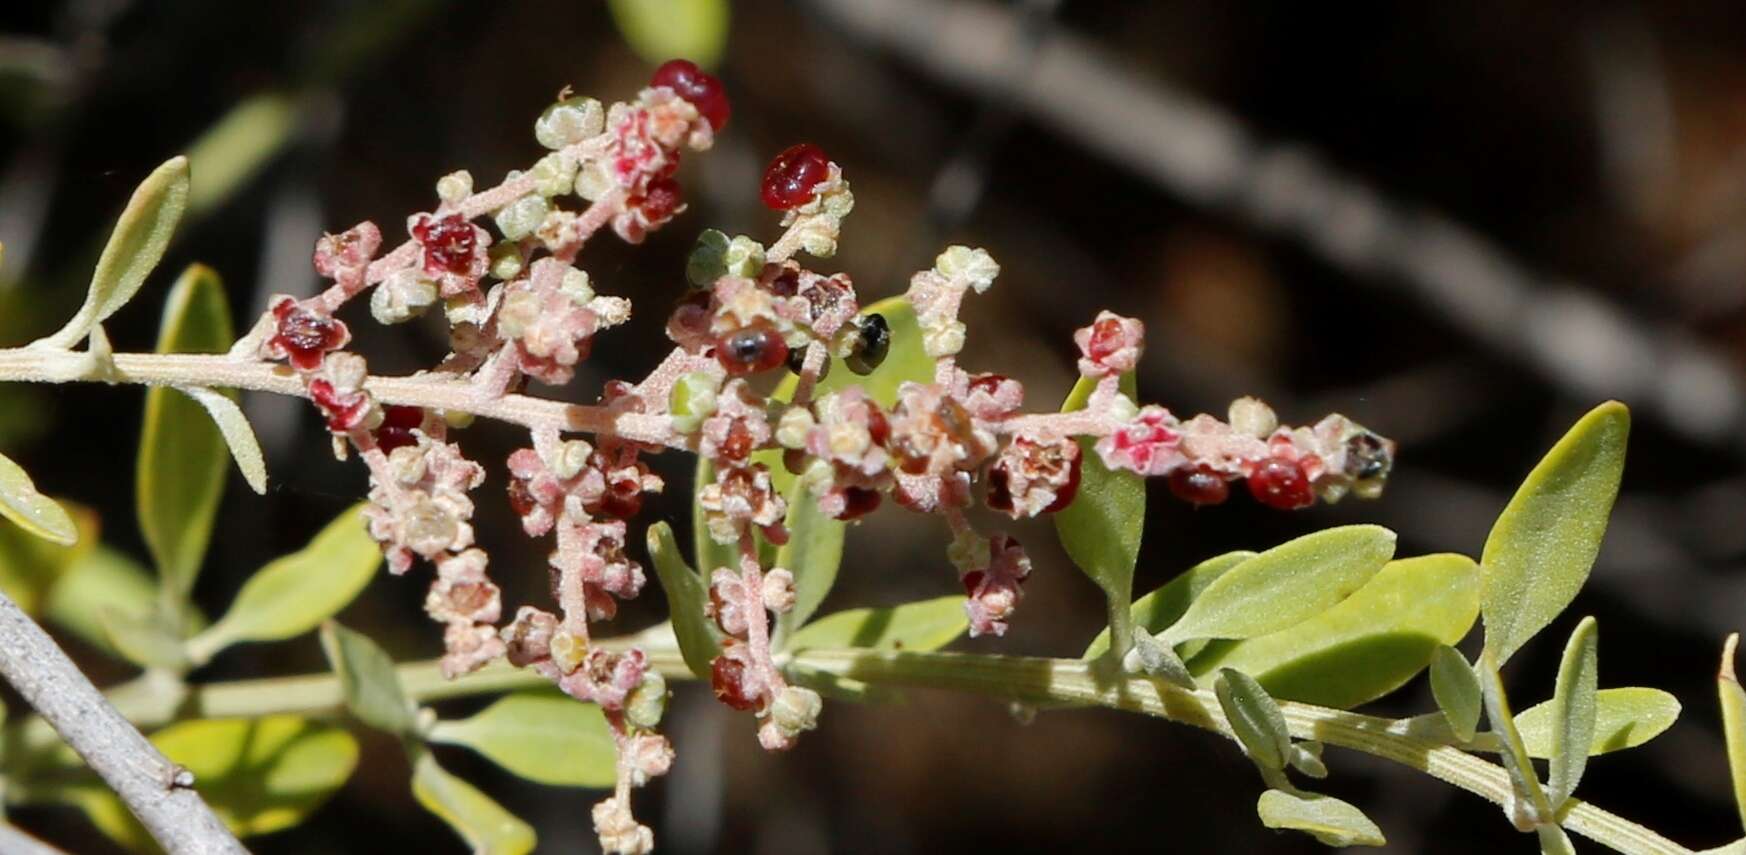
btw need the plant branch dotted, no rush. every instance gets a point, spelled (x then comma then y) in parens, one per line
(158, 792)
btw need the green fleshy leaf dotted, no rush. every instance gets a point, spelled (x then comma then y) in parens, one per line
(239, 437)
(134, 249)
(1286, 585)
(1164, 606)
(918, 627)
(1524, 780)
(1331, 821)
(294, 594)
(1624, 718)
(1101, 528)
(541, 736)
(1456, 689)
(1733, 722)
(1572, 713)
(687, 594)
(708, 553)
(148, 640)
(659, 30)
(30, 510)
(486, 827)
(813, 554)
(261, 774)
(1255, 718)
(102, 581)
(1545, 541)
(179, 478)
(30, 566)
(367, 678)
(1365, 646)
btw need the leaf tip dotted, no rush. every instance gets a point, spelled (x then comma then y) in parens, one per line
(1726, 672)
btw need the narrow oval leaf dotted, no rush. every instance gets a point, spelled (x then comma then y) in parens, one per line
(261, 774)
(1733, 722)
(133, 250)
(1164, 606)
(294, 594)
(1573, 713)
(1544, 543)
(541, 736)
(30, 566)
(30, 510)
(917, 627)
(145, 640)
(238, 436)
(1286, 585)
(659, 30)
(1456, 689)
(1101, 528)
(486, 827)
(1524, 779)
(99, 581)
(367, 678)
(1255, 718)
(813, 553)
(708, 554)
(179, 477)
(1333, 822)
(686, 597)
(1365, 646)
(1623, 718)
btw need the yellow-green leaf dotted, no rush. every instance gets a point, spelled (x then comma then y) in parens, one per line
(687, 594)
(541, 736)
(1333, 822)
(179, 478)
(261, 774)
(1733, 722)
(30, 510)
(919, 626)
(1101, 528)
(30, 566)
(1365, 646)
(1544, 543)
(1524, 779)
(368, 681)
(236, 146)
(133, 250)
(659, 30)
(147, 640)
(486, 827)
(813, 553)
(1456, 689)
(102, 580)
(1573, 713)
(1624, 718)
(1286, 585)
(1255, 718)
(294, 594)
(1162, 607)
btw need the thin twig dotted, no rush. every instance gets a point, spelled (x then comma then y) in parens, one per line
(158, 792)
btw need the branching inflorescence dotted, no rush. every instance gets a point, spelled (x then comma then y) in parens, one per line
(519, 308)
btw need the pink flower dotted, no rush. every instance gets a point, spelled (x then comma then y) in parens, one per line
(1111, 345)
(1148, 445)
(1033, 476)
(345, 257)
(995, 590)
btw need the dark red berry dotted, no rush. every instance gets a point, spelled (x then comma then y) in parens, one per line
(971, 580)
(449, 243)
(660, 200)
(859, 502)
(693, 84)
(728, 677)
(791, 177)
(397, 426)
(1199, 486)
(750, 350)
(877, 427)
(1281, 484)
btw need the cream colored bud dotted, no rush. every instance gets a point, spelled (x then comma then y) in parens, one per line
(553, 175)
(847, 439)
(973, 267)
(404, 295)
(429, 528)
(522, 217)
(568, 651)
(744, 257)
(455, 186)
(1251, 417)
(593, 182)
(576, 286)
(779, 590)
(942, 336)
(568, 122)
(569, 459)
(520, 311)
(793, 427)
(1122, 408)
(796, 709)
(506, 260)
(407, 464)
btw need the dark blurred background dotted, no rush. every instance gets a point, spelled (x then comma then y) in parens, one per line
(1461, 224)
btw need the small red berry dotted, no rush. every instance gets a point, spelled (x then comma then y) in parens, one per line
(971, 580)
(728, 677)
(751, 350)
(660, 200)
(397, 425)
(1199, 486)
(1281, 484)
(693, 84)
(858, 502)
(449, 244)
(521, 499)
(791, 177)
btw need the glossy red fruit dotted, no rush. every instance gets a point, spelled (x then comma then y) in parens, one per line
(1199, 486)
(859, 502)
(397, 426)
(791, 177)
(727, 676)
(699, 87)
(1281, 484)
(660, 200)
(971, 580)
(751, 350)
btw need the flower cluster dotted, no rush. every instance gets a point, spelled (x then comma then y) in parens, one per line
(502, 264)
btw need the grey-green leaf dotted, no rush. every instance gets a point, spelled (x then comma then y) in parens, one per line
(918, 627)
(1573, 713)
(1286, 585)
(133, 250)
(179, 476)
(238, 436)
(813, 553)
(687, 594)
(1101, 528)
(1524, 779)
(1333, 822)
(368, 682)
(147, 640)
(1255, 718)
(1624, 717)
(1162, 607)
(1543, 544)
(30, 510)
(541, 736)
(1456, 689)
(294, 594)
(486, 827)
